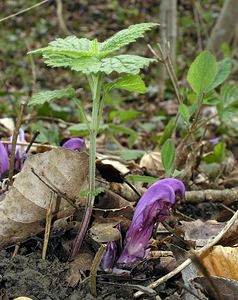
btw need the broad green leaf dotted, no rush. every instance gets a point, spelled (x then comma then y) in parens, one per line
(167, 132)
(218, 154)
(202, 72)
(223, 71)
(229, 94)
(131, 154)
(126, 36)
(130, 83)
(124, 130)
(123, 116)
(71, 46)
(184, 111)
(48, 96)
(168, 156)
(138, 178)
(82, 129)
(227, 107)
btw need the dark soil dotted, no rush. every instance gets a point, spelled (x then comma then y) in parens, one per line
(31, 276)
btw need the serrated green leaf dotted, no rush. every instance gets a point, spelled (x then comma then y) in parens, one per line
(49, 96)
(71, 46)
(184, 111)
(168, 156)
(131, 154)
(126, 36)
(138, 178)
(223, 71)
(202, 72)
(129, 64)
(130, 83)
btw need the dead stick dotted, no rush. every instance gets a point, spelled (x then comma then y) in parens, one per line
(188, 261)
(95, 265)
(48, 225)
(34, 144)
(226, 196)
(14, 142)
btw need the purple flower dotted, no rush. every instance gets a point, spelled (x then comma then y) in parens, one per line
(153, 206)
(20, 155)
(111, 253)
(74, 144)
(4, 161)
(214, 141)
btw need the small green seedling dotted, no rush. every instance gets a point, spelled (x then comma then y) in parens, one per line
(97, 61)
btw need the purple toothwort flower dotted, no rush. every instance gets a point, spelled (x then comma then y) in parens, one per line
(214, 141)
(20, 155)
(74, 144)
(4, 161)
(153, 206)
(111, 253)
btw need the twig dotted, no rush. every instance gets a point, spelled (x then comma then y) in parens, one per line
(95, 265)
(27, 144)
(62, 24)
(169, 67)
(14, 142)
(226, 196)
(48, 225)
(23, 11)
(188, 261)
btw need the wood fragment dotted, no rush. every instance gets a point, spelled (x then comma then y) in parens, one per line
(48, 225)
(226, 196)
(95, 265)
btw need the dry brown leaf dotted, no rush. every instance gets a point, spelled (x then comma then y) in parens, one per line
(227, 288)
(105, 232)
(25, 204)
(152, 162)
(83, 262)
(222, 262)
(200, 232)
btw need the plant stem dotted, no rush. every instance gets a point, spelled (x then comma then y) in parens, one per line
(95, 82)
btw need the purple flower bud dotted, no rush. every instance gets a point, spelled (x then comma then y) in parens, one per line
(74, 144)
(110, 256)
(20, 155)
(153, 206)
(214, 141)
(4, 161)
(111, 253)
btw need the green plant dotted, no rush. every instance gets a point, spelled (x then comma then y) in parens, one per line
(95, 60)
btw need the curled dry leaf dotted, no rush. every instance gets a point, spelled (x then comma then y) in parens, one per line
(22, 298)
(152, 162)
(24, 206)
(222, 262)
(105, 232)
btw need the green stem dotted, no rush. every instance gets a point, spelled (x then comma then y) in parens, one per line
(95, 82)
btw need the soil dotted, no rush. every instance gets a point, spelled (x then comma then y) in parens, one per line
(33, 277)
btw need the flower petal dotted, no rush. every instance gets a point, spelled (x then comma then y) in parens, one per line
(74, 144)
(4, 161)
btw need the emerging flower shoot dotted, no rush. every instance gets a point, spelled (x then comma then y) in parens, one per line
(75, 144)
(154, 206)
(4, 161)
